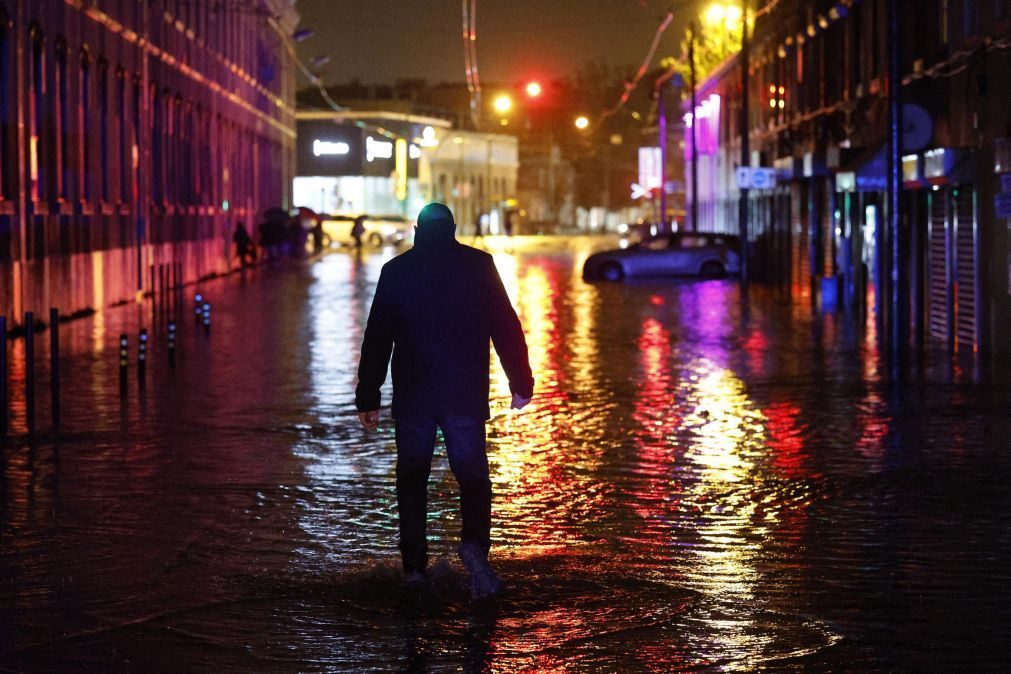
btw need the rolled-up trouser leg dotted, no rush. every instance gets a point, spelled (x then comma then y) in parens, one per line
(415, 445)
(465, 445)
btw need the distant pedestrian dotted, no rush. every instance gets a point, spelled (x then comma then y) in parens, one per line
(436, 309)
(479, 226)
(320, 240)
(244, 248)
(358, 231)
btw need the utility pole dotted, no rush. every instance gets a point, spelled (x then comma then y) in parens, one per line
(742, 204)
(891, 253)
(695, 155)
(661, 113)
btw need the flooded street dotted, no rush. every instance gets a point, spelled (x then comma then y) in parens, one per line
(695, 487)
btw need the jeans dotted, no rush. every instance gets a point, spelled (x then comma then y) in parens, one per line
(465, 445)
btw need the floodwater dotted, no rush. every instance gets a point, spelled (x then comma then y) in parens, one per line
(696, 487)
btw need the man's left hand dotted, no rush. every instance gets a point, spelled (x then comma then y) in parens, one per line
(370, 419)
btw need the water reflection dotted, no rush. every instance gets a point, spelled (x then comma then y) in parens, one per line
(695, 487)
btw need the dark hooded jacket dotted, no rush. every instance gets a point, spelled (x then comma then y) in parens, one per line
(436, 308)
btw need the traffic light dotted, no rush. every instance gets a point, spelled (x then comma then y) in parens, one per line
(534, 89)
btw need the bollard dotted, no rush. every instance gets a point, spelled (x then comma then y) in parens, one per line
(172, 344)
(207, 316)
(123, 362)
(54, 364)
(4, 419)
(142, 357)
(30, 370)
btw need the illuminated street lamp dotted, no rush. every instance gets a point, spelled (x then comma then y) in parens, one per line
(718, 13)
(534, 89)
(502, 104)
(582, 122)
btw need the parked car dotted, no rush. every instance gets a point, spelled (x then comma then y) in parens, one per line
(682, 253)
(379, 229)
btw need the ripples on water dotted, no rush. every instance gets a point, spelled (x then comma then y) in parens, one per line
(694, 487)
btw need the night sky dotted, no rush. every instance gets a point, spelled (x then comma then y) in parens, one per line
(379, 41)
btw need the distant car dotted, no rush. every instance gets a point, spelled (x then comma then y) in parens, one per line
(679, 254)
(379, 229)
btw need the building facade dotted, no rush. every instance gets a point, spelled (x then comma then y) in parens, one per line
(135, 134)
(817, 114)
(378, 163)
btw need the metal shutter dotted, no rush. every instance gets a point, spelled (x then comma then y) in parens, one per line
(939, 285)
(966, 266)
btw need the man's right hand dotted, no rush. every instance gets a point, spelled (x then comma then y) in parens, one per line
(370, 419)
(519, 402)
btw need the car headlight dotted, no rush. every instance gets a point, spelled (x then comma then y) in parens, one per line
(623, 228)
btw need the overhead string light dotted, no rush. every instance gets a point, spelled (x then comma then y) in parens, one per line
(470, 59)
(630, 86)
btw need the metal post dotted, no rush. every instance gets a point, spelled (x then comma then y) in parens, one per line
(661, 113)
(123, 362)
(695, 153)
(142, 358)
(4, 418)
(897, 286)
(172, 344)
(742, 204)
(30, 370)
(54, 364)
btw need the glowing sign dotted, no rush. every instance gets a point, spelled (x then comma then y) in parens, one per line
(377, 149)
(400, 171)
(707, 131)
(326, 147)
(649, 168)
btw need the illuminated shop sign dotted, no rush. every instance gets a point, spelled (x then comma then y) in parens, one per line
(707, 130)
(326, 147)
(377, 149)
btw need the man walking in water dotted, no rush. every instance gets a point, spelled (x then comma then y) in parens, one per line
(436, 308)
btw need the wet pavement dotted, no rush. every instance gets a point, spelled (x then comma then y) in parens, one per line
(696, 487)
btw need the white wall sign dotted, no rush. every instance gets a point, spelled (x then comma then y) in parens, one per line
(378, 149)
(326, 147)
(755, 178)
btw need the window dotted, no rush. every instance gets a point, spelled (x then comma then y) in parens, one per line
(36, 112)
(103, 130)
(7, 116)
(84, 128)
(62, 121)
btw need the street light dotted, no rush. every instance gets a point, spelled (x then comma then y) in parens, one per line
(503, 103)
(534, 89)
(582, 122)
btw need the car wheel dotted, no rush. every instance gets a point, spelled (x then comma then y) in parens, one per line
(375, 239)
(712, 269)
(612, 271)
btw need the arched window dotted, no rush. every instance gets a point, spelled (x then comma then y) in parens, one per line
(85, 116)
(7, 116)
(104, 167)
(36, 112)
(62, 120)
